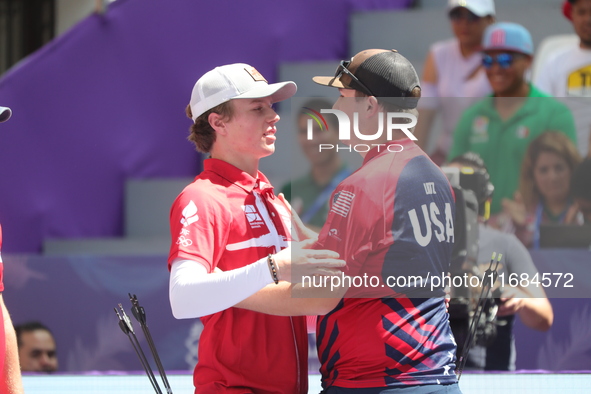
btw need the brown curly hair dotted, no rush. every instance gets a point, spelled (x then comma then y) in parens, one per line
(201, 133)
(552, 142)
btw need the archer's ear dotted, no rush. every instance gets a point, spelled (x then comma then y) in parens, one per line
(217, 123)
(373, 107)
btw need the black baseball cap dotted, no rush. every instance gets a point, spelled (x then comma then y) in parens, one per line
(382, 73)
(5, 114)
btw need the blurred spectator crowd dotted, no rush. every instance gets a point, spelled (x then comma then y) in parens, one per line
(532, 130)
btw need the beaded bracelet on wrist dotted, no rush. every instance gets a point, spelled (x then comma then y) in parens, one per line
(273, 269)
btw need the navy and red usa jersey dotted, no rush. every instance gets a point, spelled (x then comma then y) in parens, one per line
(392, 222)
(228, 219)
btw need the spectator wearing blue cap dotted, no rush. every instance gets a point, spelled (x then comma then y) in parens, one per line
(500, 127)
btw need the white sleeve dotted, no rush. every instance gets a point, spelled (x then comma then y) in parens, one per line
(194, 293)
(543, 76)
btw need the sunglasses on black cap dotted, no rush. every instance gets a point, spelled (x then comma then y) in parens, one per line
(342, 68)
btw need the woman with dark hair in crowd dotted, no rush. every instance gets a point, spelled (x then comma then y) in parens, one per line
(545, 193)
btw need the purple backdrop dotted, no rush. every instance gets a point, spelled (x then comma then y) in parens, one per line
(75, 298)
(105, 101)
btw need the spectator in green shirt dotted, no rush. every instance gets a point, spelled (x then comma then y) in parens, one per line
(500, 128)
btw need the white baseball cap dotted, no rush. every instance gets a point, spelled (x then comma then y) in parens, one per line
(5, 114)
(477, 7)
(235, 81)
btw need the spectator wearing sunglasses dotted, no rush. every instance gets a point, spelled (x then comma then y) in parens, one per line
(453, 77)
(499, 128)
(565, 73)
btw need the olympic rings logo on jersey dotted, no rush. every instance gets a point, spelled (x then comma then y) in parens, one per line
(184, 241)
